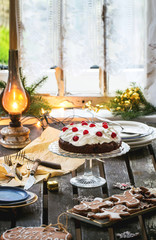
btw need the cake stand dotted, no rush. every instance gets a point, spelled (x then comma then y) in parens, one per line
(88, 180)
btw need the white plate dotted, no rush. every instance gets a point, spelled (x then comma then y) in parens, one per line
(138, 129)
(143, 141)
(141, 137)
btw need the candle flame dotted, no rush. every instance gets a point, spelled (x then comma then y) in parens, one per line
(14, 101)
(38, 124)
(42, 111)
(15, 105)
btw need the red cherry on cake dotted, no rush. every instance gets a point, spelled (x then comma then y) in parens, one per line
(105, 125)
(75, 138)
(74, 129)
(64, 129)
(85, 132)
(84, 123)
(72, 123)
(99, 134)
(113, 135)
(92, 125)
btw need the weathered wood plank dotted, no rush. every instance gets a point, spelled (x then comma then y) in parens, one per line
(116, 171)
(141, 164)
(59, 202)
(5, 220)
(32, 215)
(142, 167)
(90, 231)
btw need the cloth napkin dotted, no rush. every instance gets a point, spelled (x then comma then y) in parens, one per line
(39, 149)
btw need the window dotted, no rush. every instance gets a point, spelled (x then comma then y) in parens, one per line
(87, 48)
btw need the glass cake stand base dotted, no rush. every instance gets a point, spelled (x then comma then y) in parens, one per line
(87, 181)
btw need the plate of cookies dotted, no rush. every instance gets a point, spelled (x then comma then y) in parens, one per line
(118, 207)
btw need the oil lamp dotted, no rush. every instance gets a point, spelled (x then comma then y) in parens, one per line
(14, 99)
(14, 102)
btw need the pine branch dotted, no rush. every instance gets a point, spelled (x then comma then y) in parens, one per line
(2, 84)
(34, 86)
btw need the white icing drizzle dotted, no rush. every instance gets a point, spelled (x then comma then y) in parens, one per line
(24, 233)
(90, 138)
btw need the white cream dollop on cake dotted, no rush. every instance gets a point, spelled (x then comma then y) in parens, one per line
(89, 133)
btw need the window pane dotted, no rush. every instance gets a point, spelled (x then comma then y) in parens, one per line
(83, 46)
(129, 58)
(50, 86)
(84, 84)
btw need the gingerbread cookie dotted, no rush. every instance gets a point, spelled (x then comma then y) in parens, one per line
(81, 209)
(98, 203)
(150, 200)
(144, 205)
(35, 233)
(149, 192)
(113, 213)
(93, 206)
(127, 198)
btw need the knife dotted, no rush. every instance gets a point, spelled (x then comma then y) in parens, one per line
(31, 180)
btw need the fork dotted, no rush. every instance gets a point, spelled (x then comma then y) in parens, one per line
(7, 160)
(21, 155)
(15, 171)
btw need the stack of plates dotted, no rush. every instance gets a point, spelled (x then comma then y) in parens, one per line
(136, 134)
(15, 197)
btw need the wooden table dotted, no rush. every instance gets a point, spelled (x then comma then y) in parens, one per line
(137, 167)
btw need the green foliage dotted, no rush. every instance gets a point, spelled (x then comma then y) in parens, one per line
(128, 104)
(36, 102)
(4, 45)
(2, 84)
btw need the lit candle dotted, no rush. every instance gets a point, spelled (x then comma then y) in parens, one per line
(14, 100)
(38, 124)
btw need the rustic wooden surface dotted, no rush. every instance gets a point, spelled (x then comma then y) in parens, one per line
(137, 167)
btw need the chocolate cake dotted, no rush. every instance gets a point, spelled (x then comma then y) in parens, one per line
(89, 138)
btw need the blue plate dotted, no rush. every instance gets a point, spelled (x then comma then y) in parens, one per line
(12, 194)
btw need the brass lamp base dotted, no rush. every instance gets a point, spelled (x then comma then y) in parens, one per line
(15, 137)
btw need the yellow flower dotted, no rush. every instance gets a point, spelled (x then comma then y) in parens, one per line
(107, 108)
(118, 108)
(130, 92)
(125, 95)
(88, 103)
(136, 89)
(127, 103)
(135, 96)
